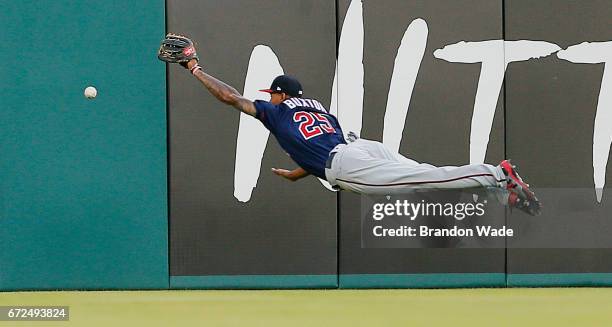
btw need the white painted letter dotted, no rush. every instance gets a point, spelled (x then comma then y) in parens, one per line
(597, 53)
(405, 70)
(347, 90)
(252, 135)
(495, 55)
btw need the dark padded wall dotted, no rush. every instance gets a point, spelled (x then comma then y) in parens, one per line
(437, 131)
(551, 110)
(98, 166)
(286, 228)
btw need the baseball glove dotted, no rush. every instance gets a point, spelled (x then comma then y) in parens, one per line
(177, 49)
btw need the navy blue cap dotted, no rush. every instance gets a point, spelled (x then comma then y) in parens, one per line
(285, 84)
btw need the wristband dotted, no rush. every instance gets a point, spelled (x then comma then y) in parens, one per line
(194, 68)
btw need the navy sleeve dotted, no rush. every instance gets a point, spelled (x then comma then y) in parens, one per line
(267, 113)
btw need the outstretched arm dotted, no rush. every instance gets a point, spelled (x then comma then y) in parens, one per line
(292, 175)
(222, 91)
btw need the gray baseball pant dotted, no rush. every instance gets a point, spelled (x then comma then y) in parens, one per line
(368, 167)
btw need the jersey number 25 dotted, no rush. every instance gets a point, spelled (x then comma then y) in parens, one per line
(308, 124)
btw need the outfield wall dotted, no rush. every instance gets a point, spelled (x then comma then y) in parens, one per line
(233, 219)
(83, 182)
(113, 193)
(555, 123)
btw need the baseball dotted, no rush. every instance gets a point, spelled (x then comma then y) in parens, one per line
(90, 92)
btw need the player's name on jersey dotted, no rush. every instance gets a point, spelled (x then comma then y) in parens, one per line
(298, 102)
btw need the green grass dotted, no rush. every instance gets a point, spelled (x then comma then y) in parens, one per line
(458, 307)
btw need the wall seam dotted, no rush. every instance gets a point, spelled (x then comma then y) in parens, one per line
(168, 161)
(337, 16)
(504, 107)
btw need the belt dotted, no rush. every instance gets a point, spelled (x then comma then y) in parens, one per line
(328, 163)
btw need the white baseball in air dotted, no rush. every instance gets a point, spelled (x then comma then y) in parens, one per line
(90, 92)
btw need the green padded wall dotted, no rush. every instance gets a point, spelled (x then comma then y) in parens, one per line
(83, 202)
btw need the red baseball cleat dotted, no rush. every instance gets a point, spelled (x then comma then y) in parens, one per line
(520, 197)
(532, 208)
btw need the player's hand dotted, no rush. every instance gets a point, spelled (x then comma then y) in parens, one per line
(288, 174)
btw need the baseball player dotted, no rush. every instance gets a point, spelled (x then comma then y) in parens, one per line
(314, 139)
